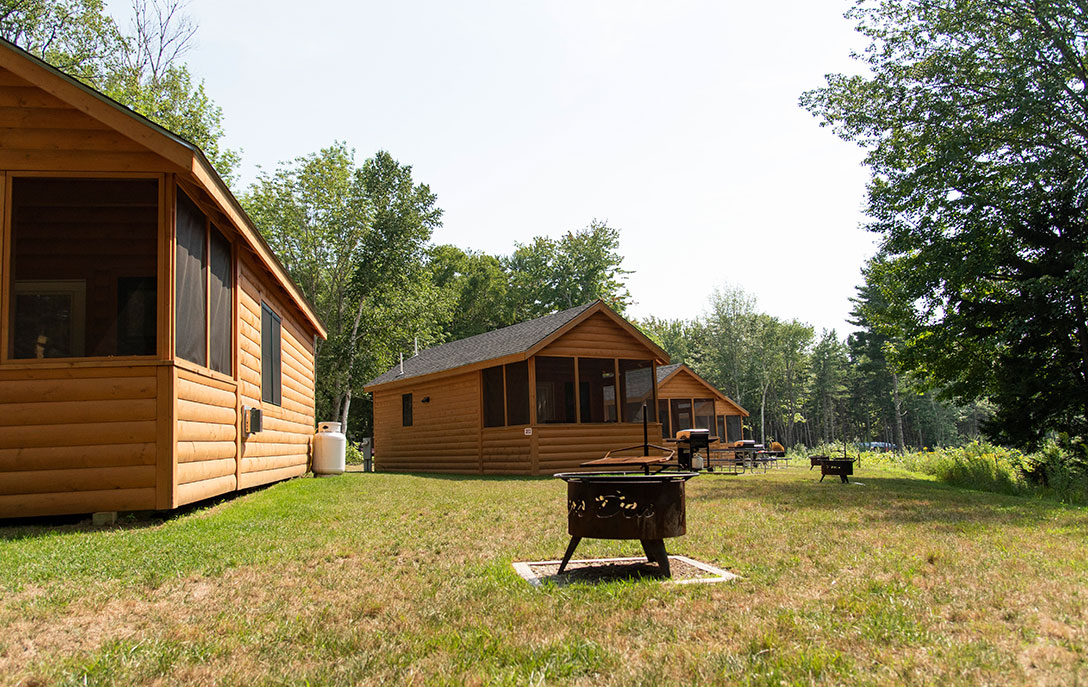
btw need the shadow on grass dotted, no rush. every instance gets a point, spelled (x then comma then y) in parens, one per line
(890, 499)
(13, 529)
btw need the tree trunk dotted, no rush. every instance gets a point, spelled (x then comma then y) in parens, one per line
(899, 444)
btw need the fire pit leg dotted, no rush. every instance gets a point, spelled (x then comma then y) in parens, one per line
(844, 479)
(570, 552)
(655, 553)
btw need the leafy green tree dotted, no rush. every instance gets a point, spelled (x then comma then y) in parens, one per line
(549, 275)
(684, 340)
(476, 285)
(354, 239)
(975, 119)
(142, 69)
(830, 379)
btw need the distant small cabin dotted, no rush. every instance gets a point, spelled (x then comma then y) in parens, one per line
(140, 313)
(534, 398)
(687, 401)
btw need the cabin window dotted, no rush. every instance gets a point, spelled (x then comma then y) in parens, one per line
(221, 299)
(406, 410)
(271, 371)
(493, 397)
(733, 428)
(597, 389)
(84, 266)
(704, 413)
(191, 282)
(663, 413)
(637, 388)
(721, 428)
(517, 393)
(554, 389)
(681, 414)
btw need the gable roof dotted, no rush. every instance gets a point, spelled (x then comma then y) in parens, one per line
(163, 142)
(666, 372)
(517, 342)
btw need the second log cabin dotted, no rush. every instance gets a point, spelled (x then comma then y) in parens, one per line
(534, 398)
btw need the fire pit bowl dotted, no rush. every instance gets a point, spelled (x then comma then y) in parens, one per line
(617, 505)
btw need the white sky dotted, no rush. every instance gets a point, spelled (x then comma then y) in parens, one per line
(676, 122)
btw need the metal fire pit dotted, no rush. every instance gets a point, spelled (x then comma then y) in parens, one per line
(836, 466)
(612, 505)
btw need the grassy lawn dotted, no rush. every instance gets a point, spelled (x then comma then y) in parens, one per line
(404, 579)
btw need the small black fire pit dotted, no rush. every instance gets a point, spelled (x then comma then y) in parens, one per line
(616, 505)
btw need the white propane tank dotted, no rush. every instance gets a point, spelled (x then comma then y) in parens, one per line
(697, 462)
(329, 447)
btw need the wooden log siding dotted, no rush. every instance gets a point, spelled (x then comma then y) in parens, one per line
(597, 337)
(41, 132)
(564, 448)
(282, 448)
(75, 439)
(445, 432)
(506, 451)
(206, 427)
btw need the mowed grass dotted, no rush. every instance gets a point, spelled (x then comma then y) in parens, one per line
(407, 579)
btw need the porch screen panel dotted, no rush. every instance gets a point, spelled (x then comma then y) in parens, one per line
(554, 389)
(733, 427)
(190, 283)
(517, 393)
(597, 387)
(681, 414)
(663, 413)
(636, 388)
(84, 265)
(221, 295)
(721, 428)
(704, 413)
(493, 397)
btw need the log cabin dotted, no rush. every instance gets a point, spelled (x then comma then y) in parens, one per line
(534, 398)
(687, 401)
(153, 350)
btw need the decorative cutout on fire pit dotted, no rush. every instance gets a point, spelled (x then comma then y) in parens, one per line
(594, 571)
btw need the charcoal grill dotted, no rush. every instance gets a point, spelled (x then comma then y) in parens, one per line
(837, 466)
(616, 505)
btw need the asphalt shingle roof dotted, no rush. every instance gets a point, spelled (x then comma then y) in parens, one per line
(516, 338)
(664, 371)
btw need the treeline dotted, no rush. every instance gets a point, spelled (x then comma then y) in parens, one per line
(357, 240)
(806, 388)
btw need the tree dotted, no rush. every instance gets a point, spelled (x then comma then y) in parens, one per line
(476, 285)
(142, 70)
(975, 119)
(548, 275)
(354, 239)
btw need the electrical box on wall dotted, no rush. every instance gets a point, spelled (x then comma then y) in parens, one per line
(252, 419)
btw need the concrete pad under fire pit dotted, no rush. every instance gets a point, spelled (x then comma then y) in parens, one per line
(592, 571)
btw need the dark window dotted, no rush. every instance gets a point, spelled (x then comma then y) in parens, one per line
(554, 389)
(84, 265)
(681, 414)
(637, 388)
(493, 397)
(271, 374)
(191, 282)
(406, 410)
(597, 386)
(733, 427)
(704, 413)
(517, 393)
(663, 413)
(222, 303)
(721, 428)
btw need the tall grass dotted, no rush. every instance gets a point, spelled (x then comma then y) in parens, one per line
(1051, 472)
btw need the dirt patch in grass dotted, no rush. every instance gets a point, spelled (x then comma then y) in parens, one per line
(621, 570)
